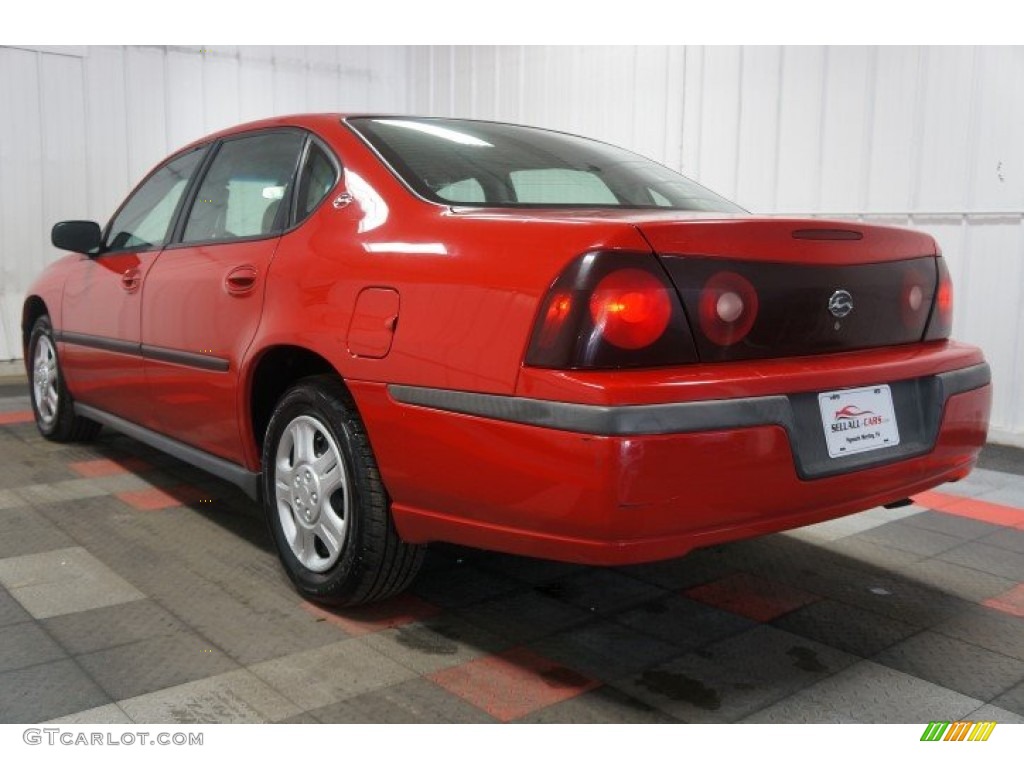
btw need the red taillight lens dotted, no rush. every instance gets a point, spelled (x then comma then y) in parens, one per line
(941, 324)
(727, 308)
(611, 310)
(631, 308)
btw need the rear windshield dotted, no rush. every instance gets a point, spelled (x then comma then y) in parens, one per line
(465, 162)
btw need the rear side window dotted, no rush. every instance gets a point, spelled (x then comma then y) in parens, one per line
(317, 179)
(144, 221)
(242, 191)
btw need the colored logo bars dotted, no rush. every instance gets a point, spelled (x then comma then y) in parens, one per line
(958, 731)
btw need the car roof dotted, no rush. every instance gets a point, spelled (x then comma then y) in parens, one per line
(325, 120)
(309, 120)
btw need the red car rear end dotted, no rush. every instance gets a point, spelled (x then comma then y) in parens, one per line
(768, 406)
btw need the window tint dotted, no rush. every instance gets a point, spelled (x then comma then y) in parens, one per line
(318, 178)
(243, 189)
(561, 185)
(145, 220)
(473, 162)
(659, 199)
(465, 191)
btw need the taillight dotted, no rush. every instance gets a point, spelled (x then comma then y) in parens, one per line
(631, 308)
(611, 310)
(941, 324)
(727, 308)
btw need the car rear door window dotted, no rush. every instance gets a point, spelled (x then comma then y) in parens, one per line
(144, 221)
(241, 194)
(318, 177)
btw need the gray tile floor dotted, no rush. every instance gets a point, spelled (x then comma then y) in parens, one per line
(121, 603)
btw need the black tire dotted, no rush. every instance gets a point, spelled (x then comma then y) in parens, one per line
(52, 404)
(370, 562)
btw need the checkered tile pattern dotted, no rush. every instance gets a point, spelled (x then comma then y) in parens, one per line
(134, 588)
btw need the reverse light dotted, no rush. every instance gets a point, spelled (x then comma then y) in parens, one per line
(916, 297)
(727, 308)
(611, 310)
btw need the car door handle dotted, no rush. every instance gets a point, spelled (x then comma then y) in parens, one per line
(240, 280)
(131, 278)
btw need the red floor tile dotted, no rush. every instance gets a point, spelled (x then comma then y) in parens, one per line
(162, 498)
(364, 620)
(1011, 602)
(754, 597)
(985, 511)
(105, 467)
(16, 417)
(512, 684)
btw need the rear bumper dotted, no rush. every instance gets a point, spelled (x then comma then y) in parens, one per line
(623, 484)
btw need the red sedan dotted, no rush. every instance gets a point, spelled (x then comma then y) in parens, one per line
(401, 330)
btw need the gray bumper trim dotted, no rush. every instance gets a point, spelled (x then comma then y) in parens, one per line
(661, 419)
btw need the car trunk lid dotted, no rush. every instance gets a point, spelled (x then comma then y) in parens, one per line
(764, 288)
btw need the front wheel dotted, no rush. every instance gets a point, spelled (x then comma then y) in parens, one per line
(327, 509)
(51, 402)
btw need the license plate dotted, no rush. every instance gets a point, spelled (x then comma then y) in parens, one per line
(858, 420)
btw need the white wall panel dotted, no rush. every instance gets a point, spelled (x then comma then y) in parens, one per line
(255, 82)
(759, 128)
(221, 92)
(798, 183)
(947, 153)
(62, 115)
(146, 113)
(999, 155)
(322, 87)
(183, 74)
(693, 118)
(720, 106)
(442, 81)
(845, 135)
(79, 127)
(650, 95)
(388, 79)
(420, 80)
(484, 92)
(507, 68)
(21, 190)
(895, 126)
(289, 79)
(992, 295)
(106, 132)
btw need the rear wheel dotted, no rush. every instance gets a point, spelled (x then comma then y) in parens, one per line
(326, 506)
(51, 402)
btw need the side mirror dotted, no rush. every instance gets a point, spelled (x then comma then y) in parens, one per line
(78, 236)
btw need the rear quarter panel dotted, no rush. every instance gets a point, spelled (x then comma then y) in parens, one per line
(468, 285)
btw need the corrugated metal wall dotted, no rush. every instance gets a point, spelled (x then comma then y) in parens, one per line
(931, 138)
(921, 137)
(80, 126)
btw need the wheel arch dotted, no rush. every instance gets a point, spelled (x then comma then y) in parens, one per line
(269, 376)
(32, 310)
